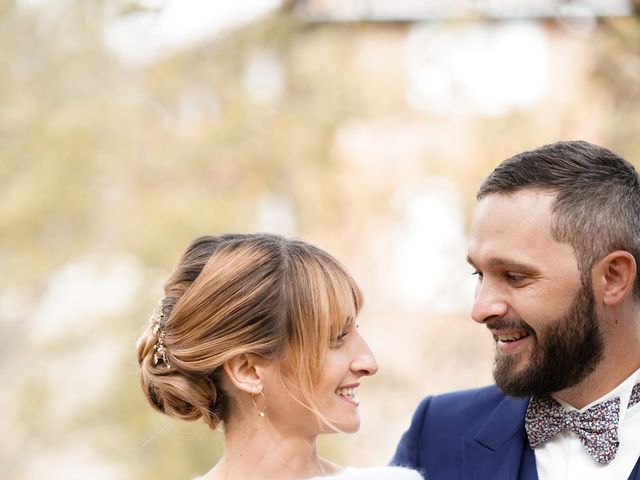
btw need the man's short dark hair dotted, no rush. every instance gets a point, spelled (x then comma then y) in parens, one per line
(597, 204)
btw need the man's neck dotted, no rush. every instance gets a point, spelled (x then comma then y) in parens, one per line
(596, 385)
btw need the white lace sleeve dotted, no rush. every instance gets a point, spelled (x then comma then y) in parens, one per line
(377, 473)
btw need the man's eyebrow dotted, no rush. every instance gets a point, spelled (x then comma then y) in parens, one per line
(497, 262)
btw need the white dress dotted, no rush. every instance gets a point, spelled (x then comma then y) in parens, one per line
(376, 473)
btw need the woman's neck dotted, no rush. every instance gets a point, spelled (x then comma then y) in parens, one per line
(258, 450)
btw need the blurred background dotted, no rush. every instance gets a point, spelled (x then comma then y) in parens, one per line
(128, 128)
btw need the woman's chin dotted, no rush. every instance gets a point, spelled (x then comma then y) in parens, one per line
(348, 426)
(352, 428)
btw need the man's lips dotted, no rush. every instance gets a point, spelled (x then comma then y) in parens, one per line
(510, 341)
(506, 329)
(509, 335)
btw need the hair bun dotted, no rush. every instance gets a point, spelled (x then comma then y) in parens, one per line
(175, 394)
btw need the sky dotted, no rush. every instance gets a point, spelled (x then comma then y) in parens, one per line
(178, 24)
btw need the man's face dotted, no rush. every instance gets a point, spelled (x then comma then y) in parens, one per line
(531, 296)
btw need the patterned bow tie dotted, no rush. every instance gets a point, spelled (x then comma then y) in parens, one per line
(597, 427)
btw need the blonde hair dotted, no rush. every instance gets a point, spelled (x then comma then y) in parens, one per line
(261, 294)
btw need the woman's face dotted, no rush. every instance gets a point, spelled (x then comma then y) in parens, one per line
(335, 395)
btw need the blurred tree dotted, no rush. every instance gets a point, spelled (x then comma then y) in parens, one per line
(107, 163)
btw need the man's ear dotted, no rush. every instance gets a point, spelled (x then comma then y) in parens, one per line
(616, 274)
(245, 372)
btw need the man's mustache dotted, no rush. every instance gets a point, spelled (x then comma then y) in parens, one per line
(509, 324)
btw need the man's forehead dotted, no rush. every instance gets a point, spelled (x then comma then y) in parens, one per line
(523, 212)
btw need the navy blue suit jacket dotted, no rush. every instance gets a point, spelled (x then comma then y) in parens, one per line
(475, 434)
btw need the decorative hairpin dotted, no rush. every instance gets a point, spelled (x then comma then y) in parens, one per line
(157, 328)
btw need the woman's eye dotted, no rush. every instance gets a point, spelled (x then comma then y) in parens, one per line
(339, 340)
(478, 274)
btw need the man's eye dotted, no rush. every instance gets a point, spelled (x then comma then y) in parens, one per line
(514, 277)
(478, 274)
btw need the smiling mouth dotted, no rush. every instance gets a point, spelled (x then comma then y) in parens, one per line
(511, 336)
(349, 394)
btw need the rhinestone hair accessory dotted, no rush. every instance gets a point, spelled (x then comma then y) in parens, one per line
(157, 328)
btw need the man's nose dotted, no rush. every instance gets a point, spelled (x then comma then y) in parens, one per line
(489, 303)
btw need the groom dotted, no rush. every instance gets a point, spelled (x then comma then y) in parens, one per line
(555, 244)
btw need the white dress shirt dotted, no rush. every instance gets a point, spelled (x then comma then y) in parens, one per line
(565, 458)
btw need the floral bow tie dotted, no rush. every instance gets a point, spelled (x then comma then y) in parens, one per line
(597, 427)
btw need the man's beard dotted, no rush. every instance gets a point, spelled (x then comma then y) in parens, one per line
(564, 353)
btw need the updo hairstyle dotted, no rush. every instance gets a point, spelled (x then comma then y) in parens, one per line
(258, 294)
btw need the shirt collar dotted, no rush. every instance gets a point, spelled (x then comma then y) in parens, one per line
(623, 391)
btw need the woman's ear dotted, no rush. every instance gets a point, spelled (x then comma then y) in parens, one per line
(616, 273)
(245, 372)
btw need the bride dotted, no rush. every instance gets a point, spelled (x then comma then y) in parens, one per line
(258, 333)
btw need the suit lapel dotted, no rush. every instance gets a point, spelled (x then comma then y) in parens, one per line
(496, 451)
(635, 474)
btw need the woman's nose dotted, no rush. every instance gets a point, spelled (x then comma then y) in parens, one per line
(364, 362)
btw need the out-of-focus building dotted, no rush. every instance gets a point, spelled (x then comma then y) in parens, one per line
(420, 10)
